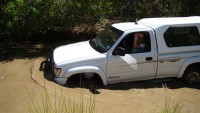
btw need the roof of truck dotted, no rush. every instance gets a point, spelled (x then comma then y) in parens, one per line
(158, 22)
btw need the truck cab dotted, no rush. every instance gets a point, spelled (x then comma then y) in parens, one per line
(148, 49)
(132, 65)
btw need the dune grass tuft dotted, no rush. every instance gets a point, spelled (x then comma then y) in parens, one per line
(60, 102)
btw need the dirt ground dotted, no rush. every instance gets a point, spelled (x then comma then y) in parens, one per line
(20, 77)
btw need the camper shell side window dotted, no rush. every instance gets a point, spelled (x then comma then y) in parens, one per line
(182, 36)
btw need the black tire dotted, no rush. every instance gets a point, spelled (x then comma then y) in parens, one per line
(192, 76)
(75, 81)
(80, 80)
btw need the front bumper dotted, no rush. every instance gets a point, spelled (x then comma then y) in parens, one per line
(60, 80)
(50, 62)
(50, 65)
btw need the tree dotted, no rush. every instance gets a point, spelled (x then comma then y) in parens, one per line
(23, 17)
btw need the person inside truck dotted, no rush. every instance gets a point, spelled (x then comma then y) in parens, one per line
(138, 43)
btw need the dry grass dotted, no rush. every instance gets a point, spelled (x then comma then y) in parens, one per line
(66, 103)
(60, 102)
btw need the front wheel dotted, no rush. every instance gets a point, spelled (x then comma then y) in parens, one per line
(84, 80)
(192, 76)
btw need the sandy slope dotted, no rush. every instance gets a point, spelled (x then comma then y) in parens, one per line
(14, 81)
(19, 77)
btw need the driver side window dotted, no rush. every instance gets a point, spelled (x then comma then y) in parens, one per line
(137, 42)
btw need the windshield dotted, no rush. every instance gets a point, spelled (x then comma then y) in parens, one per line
(104, 41)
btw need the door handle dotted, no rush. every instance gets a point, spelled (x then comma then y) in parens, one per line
(149, 58)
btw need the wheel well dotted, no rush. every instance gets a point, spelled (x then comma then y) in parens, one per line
(82, 77)
(193, 65)
(191, 74)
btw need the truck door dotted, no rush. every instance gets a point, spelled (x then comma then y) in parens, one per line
(137, 63)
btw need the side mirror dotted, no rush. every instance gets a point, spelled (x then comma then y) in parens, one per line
(119, 51)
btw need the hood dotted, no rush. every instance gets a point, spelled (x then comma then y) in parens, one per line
(74, 51)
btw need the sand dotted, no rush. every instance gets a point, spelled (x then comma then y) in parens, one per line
(21, 78)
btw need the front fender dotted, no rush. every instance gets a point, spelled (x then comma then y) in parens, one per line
(186, 64)
(87, 69)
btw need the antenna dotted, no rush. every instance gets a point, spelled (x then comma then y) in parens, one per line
(136, 21)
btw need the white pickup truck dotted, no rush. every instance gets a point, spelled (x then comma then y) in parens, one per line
(148, 49)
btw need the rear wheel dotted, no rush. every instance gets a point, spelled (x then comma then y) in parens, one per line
(192, 76)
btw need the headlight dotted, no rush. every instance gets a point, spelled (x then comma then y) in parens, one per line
(57, 71)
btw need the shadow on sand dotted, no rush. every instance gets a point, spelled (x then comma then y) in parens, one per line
(28, 50)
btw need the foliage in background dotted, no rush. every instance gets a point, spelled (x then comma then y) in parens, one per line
(22, 18)
(136, 9)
